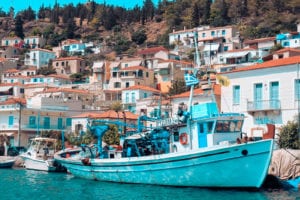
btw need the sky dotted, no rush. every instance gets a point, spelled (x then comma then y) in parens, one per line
(36, 4)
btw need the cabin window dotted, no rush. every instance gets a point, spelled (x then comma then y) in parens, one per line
(176, 136)
(228, 126)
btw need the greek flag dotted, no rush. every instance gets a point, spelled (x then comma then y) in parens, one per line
(190, 79)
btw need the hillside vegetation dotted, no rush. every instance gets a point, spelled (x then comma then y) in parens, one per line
(125, 29)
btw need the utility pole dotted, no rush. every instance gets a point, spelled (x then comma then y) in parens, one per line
(19, 129)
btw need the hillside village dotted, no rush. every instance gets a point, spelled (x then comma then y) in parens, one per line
(262, 83)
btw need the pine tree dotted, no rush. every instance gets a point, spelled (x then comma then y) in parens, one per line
(19, 27)
(195, 16)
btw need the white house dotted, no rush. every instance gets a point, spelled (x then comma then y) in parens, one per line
(38, 57)
(131, 94)
(35, 41)
(266, 93)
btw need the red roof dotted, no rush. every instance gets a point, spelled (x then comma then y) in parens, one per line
(269, 64)
(13, 101)
(259, 40)
(152, 50)
(142, 87)
(133, 68)
(110, 114)
(68, 58)
(287, 50)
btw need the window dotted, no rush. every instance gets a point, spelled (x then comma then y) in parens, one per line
(47, 122)
(69, 122)
(223, 32)
(60, 123)
(236, 94)
(127, 98)
(145, 95)
(274, 94)
(22, 90)
(297, 89)
(114, 74)
(127, 84)
(213, 33)
(32, 121)
(203, 35)
(133, 97)
(117, 85)
(225, 48)
(10, 120)
(62, 63)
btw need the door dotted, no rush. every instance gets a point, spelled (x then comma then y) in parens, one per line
(202, 135)
(258, 96)
(274, 95)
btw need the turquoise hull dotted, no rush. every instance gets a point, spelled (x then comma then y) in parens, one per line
(239, 165)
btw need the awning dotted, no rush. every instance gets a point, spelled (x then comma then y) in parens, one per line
(7, 133)
(211, 47)
(5, 88)
(235, 54)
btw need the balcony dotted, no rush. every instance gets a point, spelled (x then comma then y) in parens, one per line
(266, 105)
(42, 127)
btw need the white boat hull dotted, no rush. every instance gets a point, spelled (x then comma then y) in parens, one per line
(241, 165)
(37, 164)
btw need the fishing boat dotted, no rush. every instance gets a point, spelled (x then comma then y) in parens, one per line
(199, 147)
(6, 161)
(40, 154)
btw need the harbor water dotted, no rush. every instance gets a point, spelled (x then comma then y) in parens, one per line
(36, 185)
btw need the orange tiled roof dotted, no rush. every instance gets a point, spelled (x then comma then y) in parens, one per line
(269, 64)
(197, 91)
(2, 59)
(142, 87)
(59, 76)
(110, 114)
(68, 58)
(258, 40)
(133, 68)
(52, 90)
(152, 50)
(12, 101)
(286, 50)
(11, 71)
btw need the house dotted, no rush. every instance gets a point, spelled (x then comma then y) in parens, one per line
(6, 64)
(154, 52)
(11, 90)
(168, 71)
(98, 69)
(183, 37)
(261, 44)
(12, 41)
(131, 94)
(119, 78)
(38, 57)
(73, 47)
(35, 42)
(69, 65)
(10, 52)
(289, 40)
(79, 122)
(268, 92)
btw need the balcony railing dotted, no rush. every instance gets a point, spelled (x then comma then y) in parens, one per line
(42, 127)
(266, 105)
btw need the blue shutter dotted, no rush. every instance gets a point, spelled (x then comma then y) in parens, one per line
(258, 95)
(10, 120)
(297, 89)
(274, 94)
(59, 123)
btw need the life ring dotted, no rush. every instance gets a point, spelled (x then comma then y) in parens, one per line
(183, 138)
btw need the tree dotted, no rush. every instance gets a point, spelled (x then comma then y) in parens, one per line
(195, 16)
(70, 30)
(19, 27)
(289, 135)
(177, 87)
(139, 36)
(46, 71)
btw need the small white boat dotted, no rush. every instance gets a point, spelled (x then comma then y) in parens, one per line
(39, 155)
(6, 162)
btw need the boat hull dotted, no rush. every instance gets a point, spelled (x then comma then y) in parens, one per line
(6, 162)
(37, 164)
(241, 165)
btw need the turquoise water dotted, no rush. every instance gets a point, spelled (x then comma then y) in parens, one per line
(28, 184)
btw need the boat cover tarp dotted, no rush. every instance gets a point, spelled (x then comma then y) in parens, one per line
(285, 164)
